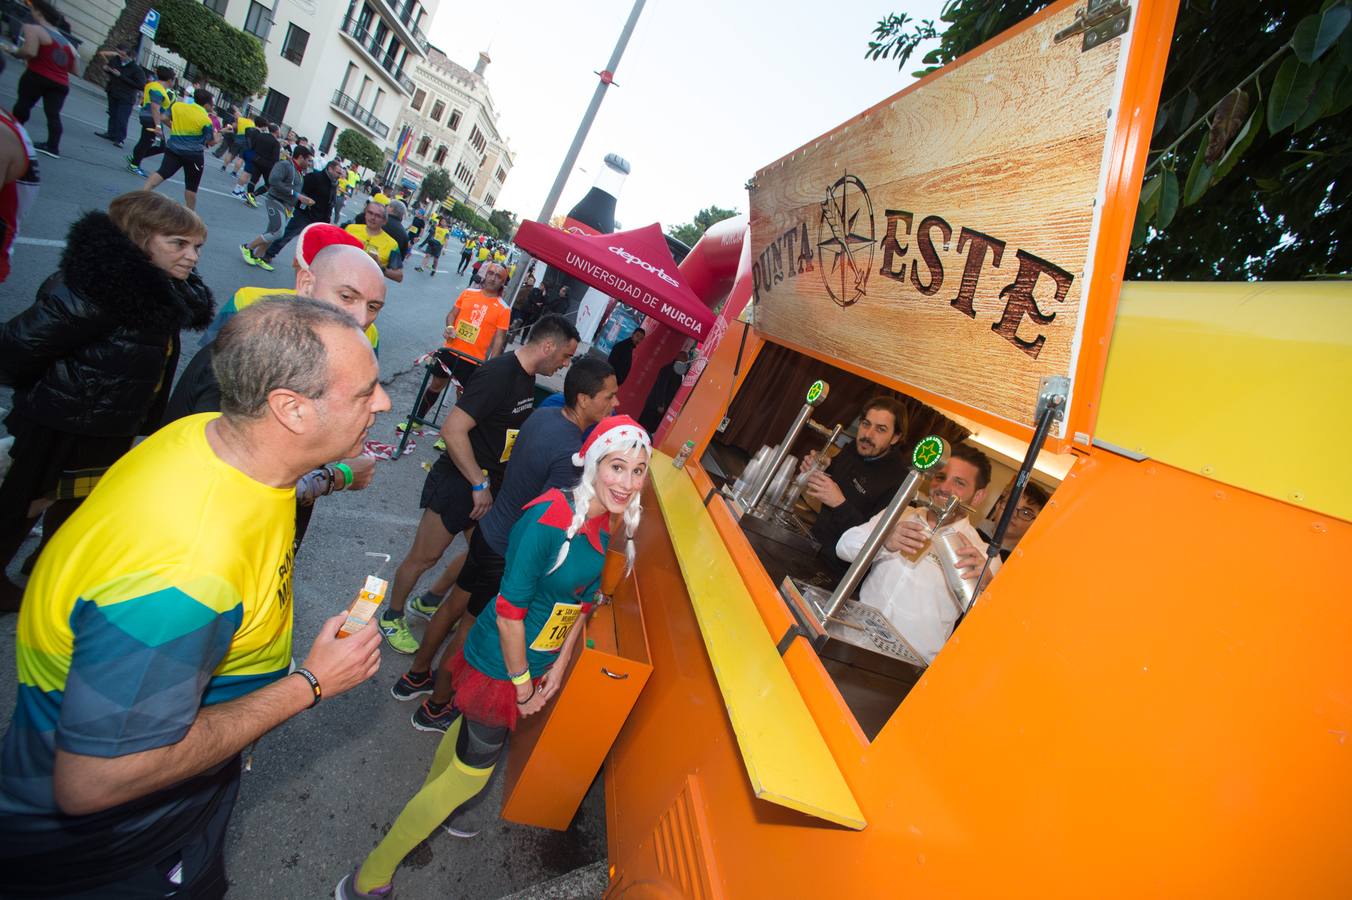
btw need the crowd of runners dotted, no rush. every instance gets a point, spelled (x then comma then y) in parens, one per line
(172, 490)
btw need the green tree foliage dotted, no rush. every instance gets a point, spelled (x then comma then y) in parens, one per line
(1252, 149)
(690, 232)
(358, 148)
(436, 186)
(472, 219)
(504, 222)
(229, 58)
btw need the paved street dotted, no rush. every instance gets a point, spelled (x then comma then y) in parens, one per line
(325, 786)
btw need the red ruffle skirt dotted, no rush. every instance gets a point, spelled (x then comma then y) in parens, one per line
(486, 700)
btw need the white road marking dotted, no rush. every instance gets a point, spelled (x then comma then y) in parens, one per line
(38, 242)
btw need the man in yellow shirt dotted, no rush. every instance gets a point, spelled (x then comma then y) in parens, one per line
(383, 248)
(432, 246)
(155, 637)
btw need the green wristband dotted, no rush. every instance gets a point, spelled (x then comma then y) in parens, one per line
(347, 474)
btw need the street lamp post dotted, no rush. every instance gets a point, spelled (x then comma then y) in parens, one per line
(606, 79)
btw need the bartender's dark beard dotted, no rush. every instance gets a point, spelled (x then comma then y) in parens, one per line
(870, 450)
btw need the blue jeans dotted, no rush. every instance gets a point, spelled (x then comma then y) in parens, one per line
(118, 113)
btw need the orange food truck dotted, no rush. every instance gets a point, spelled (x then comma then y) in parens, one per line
(1153, 696)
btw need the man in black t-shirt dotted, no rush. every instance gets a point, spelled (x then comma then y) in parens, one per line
(622, 354)
(479, 432)
(861, 479)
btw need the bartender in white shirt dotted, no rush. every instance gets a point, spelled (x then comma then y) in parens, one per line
(914, 596)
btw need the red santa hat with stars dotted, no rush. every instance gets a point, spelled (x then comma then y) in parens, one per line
(608, 435)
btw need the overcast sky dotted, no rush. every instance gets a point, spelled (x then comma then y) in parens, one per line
(707, 92)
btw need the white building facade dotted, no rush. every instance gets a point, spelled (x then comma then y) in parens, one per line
(455, 127)
(332, 64)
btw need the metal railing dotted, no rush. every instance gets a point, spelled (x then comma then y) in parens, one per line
(385, 60)
(362, 115)
(404, 13)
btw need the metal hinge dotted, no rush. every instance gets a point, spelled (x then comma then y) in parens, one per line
(1050, 386)
(1100, 21)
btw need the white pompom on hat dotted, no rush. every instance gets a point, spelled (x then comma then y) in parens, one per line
(316, 237)
(611, 432)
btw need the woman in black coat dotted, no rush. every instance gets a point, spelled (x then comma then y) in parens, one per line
(93, 358)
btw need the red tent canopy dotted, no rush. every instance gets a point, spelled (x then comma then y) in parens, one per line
(635, 267)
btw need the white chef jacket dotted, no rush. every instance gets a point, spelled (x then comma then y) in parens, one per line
(912, 595)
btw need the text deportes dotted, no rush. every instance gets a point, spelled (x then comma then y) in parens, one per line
(634, 260)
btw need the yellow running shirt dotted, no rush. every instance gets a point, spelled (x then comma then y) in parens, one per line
(384, 247)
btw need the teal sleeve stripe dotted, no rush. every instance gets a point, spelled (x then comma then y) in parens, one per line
(224, 688)
(162, 616)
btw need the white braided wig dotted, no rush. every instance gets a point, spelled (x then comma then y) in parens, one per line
(618, 434)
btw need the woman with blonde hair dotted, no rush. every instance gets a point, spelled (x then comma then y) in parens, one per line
(517, 652)
(92, 360)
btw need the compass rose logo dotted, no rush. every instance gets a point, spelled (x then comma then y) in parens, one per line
(845, 240)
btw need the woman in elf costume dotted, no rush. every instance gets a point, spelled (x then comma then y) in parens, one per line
(511, 663)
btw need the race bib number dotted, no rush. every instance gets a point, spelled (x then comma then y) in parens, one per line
(469, 334)
(560, 622)
(508, 444)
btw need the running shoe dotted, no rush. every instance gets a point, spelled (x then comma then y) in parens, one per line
(248, 255)
(424, 719)
(251, 200)
(458, 832)
(347, 890)
(140, 171)
(264, 264)
(439, 445)
(432, 274)
(417, 268)
(409, 688)
(130, 160)
(425, 604)
(402, 427)
(47, 150)
(397, 635)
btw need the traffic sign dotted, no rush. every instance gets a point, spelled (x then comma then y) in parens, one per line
(151, 23)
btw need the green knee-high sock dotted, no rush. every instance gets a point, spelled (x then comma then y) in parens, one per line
(428, 808)
(445, 751)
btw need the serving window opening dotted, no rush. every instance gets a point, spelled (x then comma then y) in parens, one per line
(873, 475)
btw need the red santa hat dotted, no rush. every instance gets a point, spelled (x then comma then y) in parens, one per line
(609, 434)
(316, 237)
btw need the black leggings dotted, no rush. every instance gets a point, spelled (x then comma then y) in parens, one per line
(479, 745)
(34, 87)
(145, 145)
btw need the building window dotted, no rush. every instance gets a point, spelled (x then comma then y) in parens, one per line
(216, 6)
(477, 139)
(454, 121)
(500, 175)
(463, 174)
(424, 144)
(330, 132)
(437, 109)
(293, 48)
(440, 156)
(258, 22)
(419, 96)
(274, 106)
(490, 200)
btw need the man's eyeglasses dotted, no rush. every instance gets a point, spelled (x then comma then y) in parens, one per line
(1025, 513)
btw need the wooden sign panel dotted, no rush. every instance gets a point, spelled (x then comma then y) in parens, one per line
(942, 240)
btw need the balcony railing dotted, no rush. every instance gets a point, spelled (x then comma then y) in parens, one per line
(404, 13)
(385, 60)
(360, 114)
